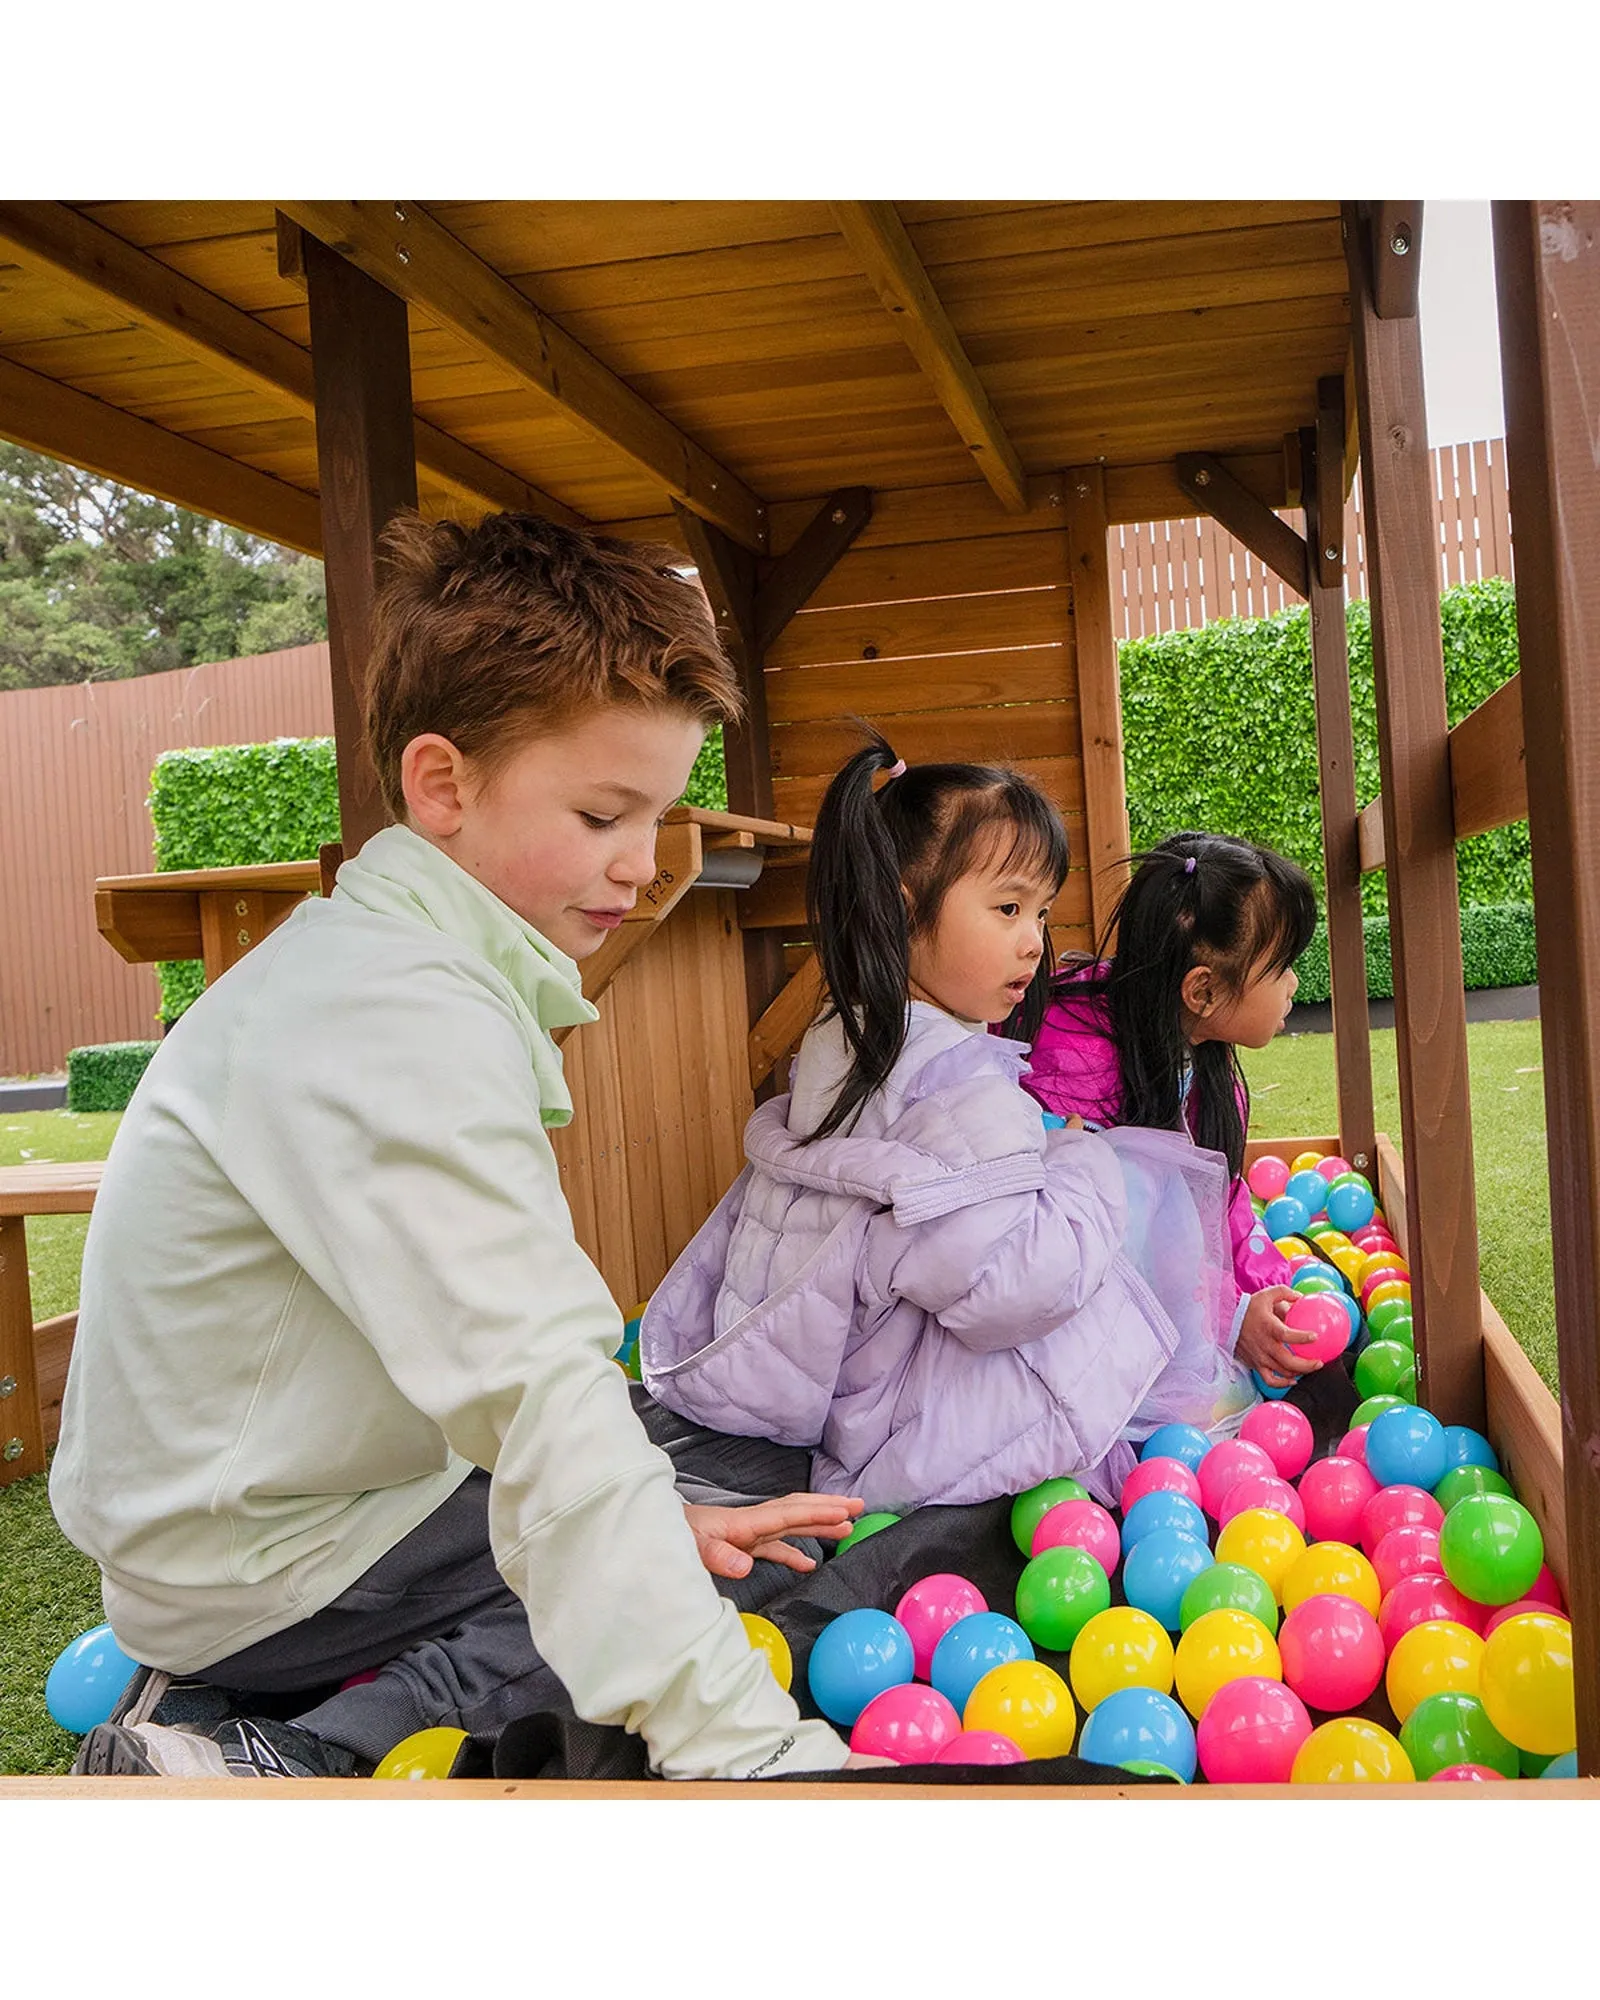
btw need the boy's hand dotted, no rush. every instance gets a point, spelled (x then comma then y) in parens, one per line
(730, 1538)
(1266, 1344)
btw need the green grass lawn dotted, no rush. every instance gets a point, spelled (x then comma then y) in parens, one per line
(49, 1593)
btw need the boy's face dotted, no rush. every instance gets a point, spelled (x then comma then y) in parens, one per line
(565, 830)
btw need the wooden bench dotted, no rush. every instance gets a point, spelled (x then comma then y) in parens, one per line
(33, 1359)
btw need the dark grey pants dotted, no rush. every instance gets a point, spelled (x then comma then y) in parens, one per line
(448, 1638)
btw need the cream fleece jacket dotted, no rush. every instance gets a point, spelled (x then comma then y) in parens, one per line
(330, 1269)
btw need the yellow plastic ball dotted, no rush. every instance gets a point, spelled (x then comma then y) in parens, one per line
(1293, 1246)
(1267, 1542)
(1119, 1648)
(1222, 1646)
(1350, 1751)
(1526, 1683)
(429, 1753)
(1347, 1260)
(1384, 1260)
(1335, 1567)
(1439, 1656)
(1303, 1162)
(1398, 1288)
(765, 1638)
(1027, 1701)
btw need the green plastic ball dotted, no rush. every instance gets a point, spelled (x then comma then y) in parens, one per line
(1351, 1179)
(1448, 1729)
(1030, 1508)
(866, 1524)
(1406, 1387)
(1147, 1767)
(1309, 1283)
(1058, 1593)
(1228, 1587)
(1390, 1319)
(1491, 1548)
(1380, 1368)
(1375, 1406)
(1461, 1480)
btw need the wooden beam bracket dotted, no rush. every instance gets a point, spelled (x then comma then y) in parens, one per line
(1215, 491)
(786, 582)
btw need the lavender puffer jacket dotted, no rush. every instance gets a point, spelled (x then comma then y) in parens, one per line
(950, 1303)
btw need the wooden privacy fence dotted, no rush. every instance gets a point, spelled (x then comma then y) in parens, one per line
(1169, 576)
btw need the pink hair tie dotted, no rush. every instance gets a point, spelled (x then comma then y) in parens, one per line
(898, 768)
(1188, 866)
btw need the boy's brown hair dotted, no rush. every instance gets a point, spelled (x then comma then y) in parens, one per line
(486, 634)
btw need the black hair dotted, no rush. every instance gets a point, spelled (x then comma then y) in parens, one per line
(882, 864)
(1195, 898)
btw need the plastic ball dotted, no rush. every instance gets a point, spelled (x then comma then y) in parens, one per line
(1030, 1508)
(84, 1684)
(980, 1746)
(1409, 1550)
(1332, 1652)
(1157, 1511)
(1350, 1176)
(1158, 1475)
(1393, 1320)
(1027, 1702)
(975, 1646)
(1185, 1442)
(766, 1639)
(1453, 1728)
(1333, 1492)
(1527, 1683)
(1219, 1647)
(1351, 1751)
(1394, 1507)
(1122, 1647)
(1375, 1262)
(1332, 1568)
(1317, 1280)
(861, 1527)
(1347, 1261)
(1476, 1774)
(910, 1723)
(1235, 1459)
(1285, 1217)
(1309, 1189)
(1353, 1445)
(1251, 1732)
(1493, 1620)
(854, 1657)
(1304, 1163)
(1545, 1590)
(1058, 1593)
(1264, 1541)
(1381, 1366)
(1465, 1446)
(1294, 1249)
(1564, 1766)
(1438, 1657)
(1229, 1587)
(1277, 1496)
(1415, 1600)
(1375, 1295)
(1461, 1480)
(426, 1753)
(1491, 1548)
(1268, 1177)
(1156, 1572)
(930, 1608)
(1150, 1767)
(1350, 1207)
(1333, 1165)
(1136, 1724)
(1406, 1448)
(1080, 1524)
(1365, 1413)
(1324, 1327)
(1267, 1389)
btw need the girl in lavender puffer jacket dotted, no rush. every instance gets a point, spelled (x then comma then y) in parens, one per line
(1207, 931)
(912, 1276)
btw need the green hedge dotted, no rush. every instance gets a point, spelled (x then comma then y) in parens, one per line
(1497, 949)
(233, 807)
(102, 1076)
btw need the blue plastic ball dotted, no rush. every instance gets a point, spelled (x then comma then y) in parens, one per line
(1350, 1207)
(1161, 1510)
(1406, 1447)
(972, 1646)
(1186, 1442)
(1465, 1446)
(1139, 1722)
(856, 1656)
(1285, 1217)
(1564, 1766)
(1352, 1312)
(1265, 1388)
(82, 1687)
(1317, 1277)
(1309, 1188)
(1156, 1572)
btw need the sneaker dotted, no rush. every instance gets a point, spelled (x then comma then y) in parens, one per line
(241, 1747)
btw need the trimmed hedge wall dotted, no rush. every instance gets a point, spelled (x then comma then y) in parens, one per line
(102, 1076)
(1497, 949)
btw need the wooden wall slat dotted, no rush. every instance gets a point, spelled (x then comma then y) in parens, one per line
(954, 735)
(796, 799)
(908, 631)
(904, 687)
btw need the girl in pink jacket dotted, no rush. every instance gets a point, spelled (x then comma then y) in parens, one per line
(1207, 933)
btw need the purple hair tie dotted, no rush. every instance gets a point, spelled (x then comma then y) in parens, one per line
(898, 769)
(1188, 866)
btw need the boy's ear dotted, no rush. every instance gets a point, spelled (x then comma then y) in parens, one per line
(1198, 991)
(432, 777)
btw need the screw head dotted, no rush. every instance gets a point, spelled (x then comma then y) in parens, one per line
(1400, 244)
(399, 213)
(8, 1385)
(838, 517)
(13, 1449)
(402, 253)
(1202, 477)
(1331, 554)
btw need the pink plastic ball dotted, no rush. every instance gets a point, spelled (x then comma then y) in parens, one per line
(1263, 1490)
(1268, 1177)
(1388, 1274)
(1158, 1475)
(1333, 1492)
(930, 1608)
(910, 1723)
(1332, 1652)
(980, 1746)
(1374, 1237)
(1498, 1616)
(1475, 1774)
(1416, 1600)
(1224, 1464)
(1333, 1166)
(1409, 1551)
(1394, 1507)
(1284, 1434)
(1354, 1444)
(1327, 1323)
(1545, 1590)
(1086, 1525)
(1249, 1732)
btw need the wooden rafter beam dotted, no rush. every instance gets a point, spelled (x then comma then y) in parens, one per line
(888, 257)
(48, 236)
(400, 244)
(63, 423)
(1213, 488)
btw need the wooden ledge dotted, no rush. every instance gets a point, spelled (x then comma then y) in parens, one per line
(66, 1187)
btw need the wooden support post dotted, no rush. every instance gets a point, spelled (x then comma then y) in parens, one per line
(1419, 843)
(1547, 268)
(21, 1426)
(367, 473)
(1322, 449)
(1099, 690)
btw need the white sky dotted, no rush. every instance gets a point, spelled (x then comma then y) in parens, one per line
(1460, 340)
